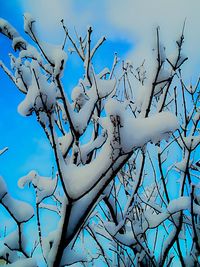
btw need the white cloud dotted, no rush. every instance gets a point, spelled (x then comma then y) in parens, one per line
(78, 14)
(139, 19)
(135, 20)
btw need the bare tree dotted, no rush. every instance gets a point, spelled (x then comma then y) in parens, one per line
(115, 190)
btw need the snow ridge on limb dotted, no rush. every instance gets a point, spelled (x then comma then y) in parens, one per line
(19, 210)
(3, 150)
(24, 263)
(8, 30)
(136, 132)
(45, 186)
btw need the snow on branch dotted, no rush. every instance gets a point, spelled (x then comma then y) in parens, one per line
(121, 142)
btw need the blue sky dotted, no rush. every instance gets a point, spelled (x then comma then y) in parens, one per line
(129, 28)
(16, 131)
(28, 147)
(130, 31)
